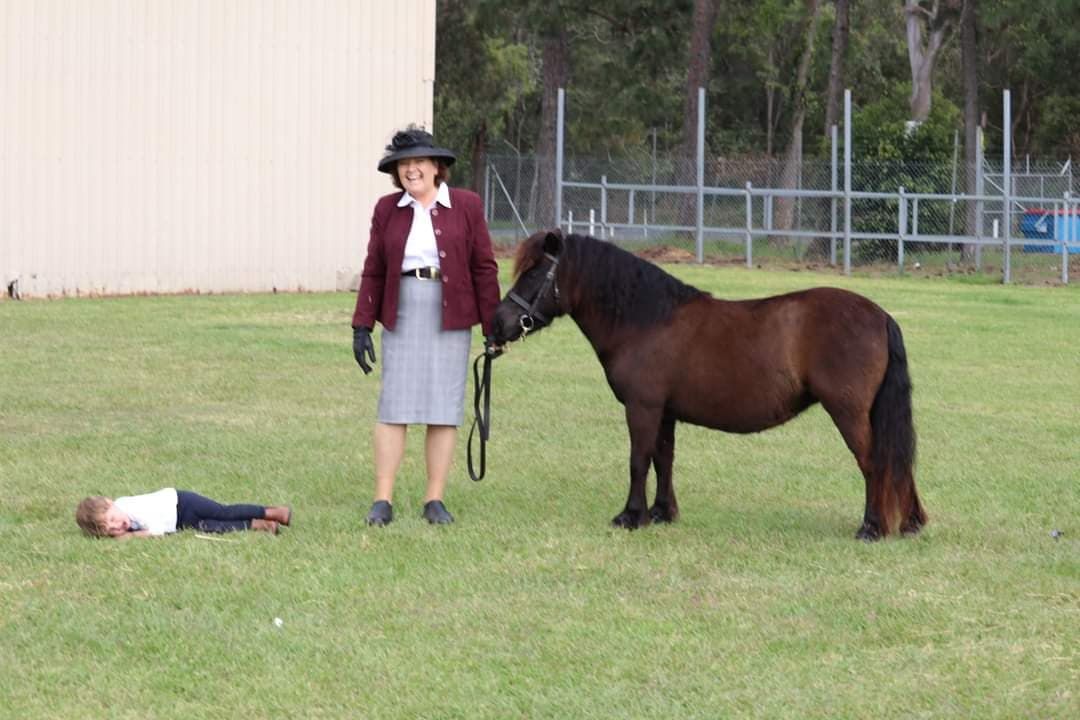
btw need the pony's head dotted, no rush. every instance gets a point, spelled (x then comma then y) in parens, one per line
(533, 301)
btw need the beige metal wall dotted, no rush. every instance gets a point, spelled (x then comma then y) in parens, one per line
(209, 145)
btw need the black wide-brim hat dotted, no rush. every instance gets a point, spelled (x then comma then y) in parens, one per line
(413, 143)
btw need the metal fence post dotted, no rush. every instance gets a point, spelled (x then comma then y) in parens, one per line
(1006, 209)
(952, 187)
(561, 113)
(488, 212)
(749, 226)
(701, 175)
(901, 224)
(847, 182)
(833, 136)
(1070, 235)
(603, 208)
(979, 188)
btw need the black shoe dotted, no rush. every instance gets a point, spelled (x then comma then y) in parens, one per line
(382, 513)
(436, 513)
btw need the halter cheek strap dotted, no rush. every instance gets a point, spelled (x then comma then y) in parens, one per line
(532, 314)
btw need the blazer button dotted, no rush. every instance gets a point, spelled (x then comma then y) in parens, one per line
(438, 231)
(435, 212)
(442, 253)
(444, 303)
(445, 278)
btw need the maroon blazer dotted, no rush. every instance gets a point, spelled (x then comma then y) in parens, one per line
(469, 272)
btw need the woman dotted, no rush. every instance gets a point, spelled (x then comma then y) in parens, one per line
(429, 276)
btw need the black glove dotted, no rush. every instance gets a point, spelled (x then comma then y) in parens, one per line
(361, 346)
(491, 348)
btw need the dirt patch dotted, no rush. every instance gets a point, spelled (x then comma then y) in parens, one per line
(665, 254)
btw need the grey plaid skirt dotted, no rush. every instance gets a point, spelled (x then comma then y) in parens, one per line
(423, 366)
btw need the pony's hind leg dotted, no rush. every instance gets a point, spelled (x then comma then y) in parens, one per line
(915, 516)
(643, 424)
(666, 508)
(857, 433)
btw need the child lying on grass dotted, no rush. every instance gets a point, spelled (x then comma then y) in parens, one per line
(169, 510)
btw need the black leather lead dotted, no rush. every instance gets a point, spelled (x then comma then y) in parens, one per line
(481, 417)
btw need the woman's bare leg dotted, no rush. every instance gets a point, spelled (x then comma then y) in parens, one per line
(439, 450)
(389, 444)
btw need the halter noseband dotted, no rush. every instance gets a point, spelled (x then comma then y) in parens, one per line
(531, 315)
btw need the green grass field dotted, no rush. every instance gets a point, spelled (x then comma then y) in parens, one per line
(757, 603)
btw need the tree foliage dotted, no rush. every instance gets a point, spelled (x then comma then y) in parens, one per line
(627, 67)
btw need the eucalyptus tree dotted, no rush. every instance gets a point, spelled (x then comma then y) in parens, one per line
(1032, 49)
(929, 24)
(838, 64)
(482, 77)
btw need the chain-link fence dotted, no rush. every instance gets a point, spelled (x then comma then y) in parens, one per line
(867, 216)
(904, 216)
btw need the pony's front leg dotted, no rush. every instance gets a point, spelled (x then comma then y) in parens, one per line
(666, 507)
(643, 425)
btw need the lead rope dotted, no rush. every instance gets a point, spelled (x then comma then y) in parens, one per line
(482, 392)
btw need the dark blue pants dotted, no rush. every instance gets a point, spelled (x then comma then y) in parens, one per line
(202, 513)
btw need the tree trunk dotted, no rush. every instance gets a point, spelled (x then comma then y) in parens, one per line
(923, 58)
(697, 76)
(837, 66)
(555, 60)
(478, 158)
(922, 92)
(969, 60)
(785, 207)
(770, 94)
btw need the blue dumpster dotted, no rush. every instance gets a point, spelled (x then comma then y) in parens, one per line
(1059, 225)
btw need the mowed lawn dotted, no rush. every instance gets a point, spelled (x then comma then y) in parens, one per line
(757, 603)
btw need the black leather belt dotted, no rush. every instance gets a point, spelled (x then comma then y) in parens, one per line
(424, 273)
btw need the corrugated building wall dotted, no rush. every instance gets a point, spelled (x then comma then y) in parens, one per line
(200, 145)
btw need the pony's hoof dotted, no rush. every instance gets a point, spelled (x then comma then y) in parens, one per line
(868, 532)
(663, 514)
(629, 520)
(915, 522)
(911, 528)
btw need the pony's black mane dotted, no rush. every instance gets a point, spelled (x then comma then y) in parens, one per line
(622, 286)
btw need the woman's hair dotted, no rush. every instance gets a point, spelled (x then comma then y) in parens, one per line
(442, 174)
(90, 514)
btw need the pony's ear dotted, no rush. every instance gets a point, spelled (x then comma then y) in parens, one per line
(553, 242)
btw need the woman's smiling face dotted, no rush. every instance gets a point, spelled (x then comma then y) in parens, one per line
(417, 176)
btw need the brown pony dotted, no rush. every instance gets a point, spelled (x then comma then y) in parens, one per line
(673, 353)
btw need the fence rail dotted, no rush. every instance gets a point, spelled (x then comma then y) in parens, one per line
(990, 217)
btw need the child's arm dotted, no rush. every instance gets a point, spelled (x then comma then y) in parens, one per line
(133, 533)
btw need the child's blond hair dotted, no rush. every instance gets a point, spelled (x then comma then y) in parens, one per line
(90, 514)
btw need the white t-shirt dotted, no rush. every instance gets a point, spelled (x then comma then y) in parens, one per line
(154, 512)
(421, 250)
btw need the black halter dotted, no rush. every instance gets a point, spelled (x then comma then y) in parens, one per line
(531, 315)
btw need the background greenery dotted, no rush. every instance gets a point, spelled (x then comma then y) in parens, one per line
(626, 70)
(757, 603)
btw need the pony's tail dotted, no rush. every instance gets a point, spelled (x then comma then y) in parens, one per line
(893, 445)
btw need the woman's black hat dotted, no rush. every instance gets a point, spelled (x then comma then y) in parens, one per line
(412, 143)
